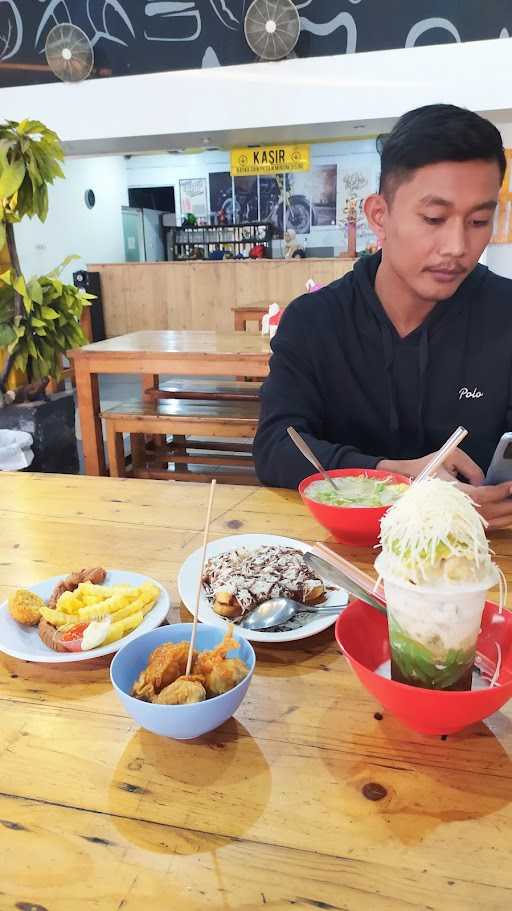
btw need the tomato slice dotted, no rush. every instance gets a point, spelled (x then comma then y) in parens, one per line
(72, 638)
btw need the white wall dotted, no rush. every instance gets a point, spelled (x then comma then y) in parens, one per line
(267, 97)
(96, 235)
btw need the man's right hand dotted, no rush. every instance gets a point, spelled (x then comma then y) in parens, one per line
(457, 463)
(494, 502)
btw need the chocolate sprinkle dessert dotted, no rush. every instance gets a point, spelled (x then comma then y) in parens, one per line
(249, 577)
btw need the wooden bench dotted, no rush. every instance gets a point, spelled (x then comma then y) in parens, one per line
(217, 423)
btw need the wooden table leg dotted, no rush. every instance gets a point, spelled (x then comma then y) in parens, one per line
(149, 381)
(115, 446)
(240, 323)
(88, 399)
(138, 447)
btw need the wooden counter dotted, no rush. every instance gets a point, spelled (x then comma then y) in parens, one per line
(200, 295)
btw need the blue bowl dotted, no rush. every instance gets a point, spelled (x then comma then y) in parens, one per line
(182, 722)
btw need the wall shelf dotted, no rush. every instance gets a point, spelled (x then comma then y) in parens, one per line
(232, 239)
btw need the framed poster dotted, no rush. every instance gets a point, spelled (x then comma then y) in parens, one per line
(194, 197)
(221, 196)
(324, 193)
(358, 179)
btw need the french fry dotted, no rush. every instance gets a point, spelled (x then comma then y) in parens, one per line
(69, 603)
(87, 589)
(144, 603)
(122, 627)
(102, 608)
(124, 612)
(55, 617)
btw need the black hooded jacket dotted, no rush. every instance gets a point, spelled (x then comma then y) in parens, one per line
(357, 392)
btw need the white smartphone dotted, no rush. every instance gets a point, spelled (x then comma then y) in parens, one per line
(500, 468)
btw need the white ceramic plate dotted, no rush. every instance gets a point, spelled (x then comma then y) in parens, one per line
(187, 587)
(25, 642)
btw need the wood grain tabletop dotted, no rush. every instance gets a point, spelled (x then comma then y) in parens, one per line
(312, 797)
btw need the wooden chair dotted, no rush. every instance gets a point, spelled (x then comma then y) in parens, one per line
(216, 422)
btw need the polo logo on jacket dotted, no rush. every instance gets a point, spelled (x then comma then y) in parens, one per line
(466, 393)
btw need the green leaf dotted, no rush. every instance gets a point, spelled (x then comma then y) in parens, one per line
(36, 322)
(35, 291)
(11, 178)
(19, 285)
(42, 197)
(7, 336)
(58, 269)
(49, 312)
(2, 236)
(21, 361)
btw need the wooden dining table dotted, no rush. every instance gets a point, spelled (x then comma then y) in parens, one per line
(311, 797)
(148, 354)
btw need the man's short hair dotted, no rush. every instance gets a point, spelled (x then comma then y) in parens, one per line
(435, 133)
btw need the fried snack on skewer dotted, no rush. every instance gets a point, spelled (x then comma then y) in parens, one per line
(96, 575)
(164, 682)
(224, 675)
(183, 691)
(220, 674)
(25, 607)
(166, 663)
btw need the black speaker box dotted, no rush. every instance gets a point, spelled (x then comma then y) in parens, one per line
(90, 282)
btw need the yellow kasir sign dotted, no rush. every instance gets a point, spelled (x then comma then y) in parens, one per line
(269, 160)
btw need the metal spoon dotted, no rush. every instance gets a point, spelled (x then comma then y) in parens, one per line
(303, 447)
(279, 610)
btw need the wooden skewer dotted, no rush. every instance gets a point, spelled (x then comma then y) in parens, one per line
(200, 579)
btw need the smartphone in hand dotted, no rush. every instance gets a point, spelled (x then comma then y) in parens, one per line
(500, 469)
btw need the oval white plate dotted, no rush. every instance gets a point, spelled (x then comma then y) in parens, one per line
(187, 587)
(25, 642)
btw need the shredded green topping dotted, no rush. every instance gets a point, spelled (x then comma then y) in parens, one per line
(356, 490)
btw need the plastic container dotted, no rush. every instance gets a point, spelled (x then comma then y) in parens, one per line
(362, 635)
(433, 632)
(15, 450)
(359, 525)
(181, 722)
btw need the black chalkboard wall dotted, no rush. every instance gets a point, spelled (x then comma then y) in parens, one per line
(134, 36)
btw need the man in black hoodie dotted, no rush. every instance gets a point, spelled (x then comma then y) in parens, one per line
(378, 368)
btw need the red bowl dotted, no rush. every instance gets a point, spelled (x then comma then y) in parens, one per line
(362, 635)
(359, 525)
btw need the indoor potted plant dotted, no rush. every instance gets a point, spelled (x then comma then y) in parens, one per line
(40, 316)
